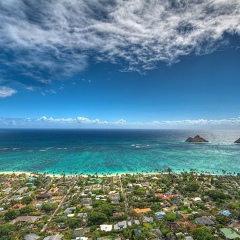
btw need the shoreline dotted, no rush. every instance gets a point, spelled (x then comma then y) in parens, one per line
(29, 174)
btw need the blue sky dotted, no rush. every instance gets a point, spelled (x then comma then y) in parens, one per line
(124, 64)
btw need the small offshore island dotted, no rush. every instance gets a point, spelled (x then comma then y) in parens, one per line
(196, 139)
(161, 205)
(237, 141)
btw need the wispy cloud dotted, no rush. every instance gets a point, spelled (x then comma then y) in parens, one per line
(79, 120)
(6, 91)
(46, 40)
(231, 122)
(84, 122)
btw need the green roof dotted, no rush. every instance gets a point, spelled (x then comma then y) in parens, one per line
(229, 233)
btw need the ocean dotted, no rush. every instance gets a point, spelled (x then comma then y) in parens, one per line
(117, 151)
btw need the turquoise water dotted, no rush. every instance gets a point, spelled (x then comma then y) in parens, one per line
(117, 151)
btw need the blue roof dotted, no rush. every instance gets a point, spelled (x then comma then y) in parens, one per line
(159, 215)
(225, 212)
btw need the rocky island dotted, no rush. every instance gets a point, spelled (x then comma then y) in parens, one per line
(237, 141)
(196, 139)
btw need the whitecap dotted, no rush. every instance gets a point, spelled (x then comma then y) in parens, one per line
(42, 150)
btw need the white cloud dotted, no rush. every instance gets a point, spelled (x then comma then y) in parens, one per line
(55, 38)
(6, 91)
(121, 121)
(83, 122)
(199, 122)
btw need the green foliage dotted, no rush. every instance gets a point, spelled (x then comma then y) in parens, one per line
(216, 194)
(164, 231)
(192, 187)
(169, 216)
(222, 219)
(7, 237)
(48, 207)
(27, 209)
(156, 207)
(103, 207)
(140, 236)
(96, 218)
(6, 228)
(45, 218)
(74, 222)
(26, 200)
(202, 233)
(140, 191)
(11, 214)
(235, 206)
(133, 180)
(37, 182)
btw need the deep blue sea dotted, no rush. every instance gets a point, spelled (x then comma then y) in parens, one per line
(117, 151)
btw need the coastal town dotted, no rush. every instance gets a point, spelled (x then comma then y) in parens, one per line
(156, 205)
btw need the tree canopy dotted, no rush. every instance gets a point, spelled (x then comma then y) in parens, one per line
(202, 233)
(11, 214)
(96, 218)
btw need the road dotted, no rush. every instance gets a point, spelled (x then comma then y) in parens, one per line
(10, 194)
(125, 197)
(58, 208)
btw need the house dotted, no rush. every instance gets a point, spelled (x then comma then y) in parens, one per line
(189, 238)
(228, 233)
(225, 213)
(31, 236)
(106, 228)
(161, 195)
(120, 225)
(197, 199)
(147, 219)
(16, 197)
(118, 214)
(204, 221)
(54, 237)
(29, 219)
(22, 190)
(86, 201)
(82, 215)
(70, 210)
(79, 232)
(157, 232)
(43, 196)
(18, 206)
(133, 222)
(160, 215)
(170, 196)
(137, 231)
(179, 235)
(61, 226)
(143, 210)
(115, 197)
